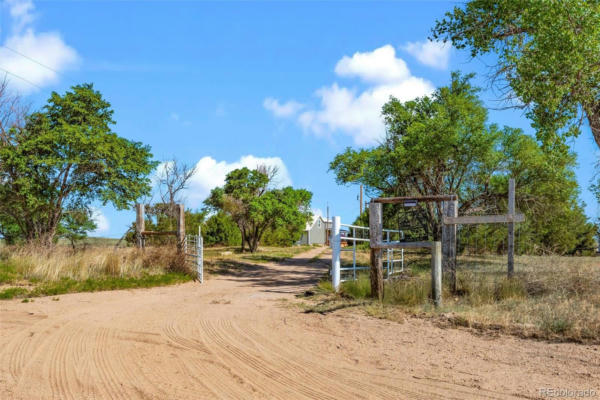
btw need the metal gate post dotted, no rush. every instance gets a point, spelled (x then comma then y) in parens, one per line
(354, 253)
(335, 253)
(200, 256)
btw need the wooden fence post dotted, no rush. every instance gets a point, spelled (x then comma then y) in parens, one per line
(436, 273)
(511, 228)
(449, 242)
(376, 237)
(180, 226)
(140, 224)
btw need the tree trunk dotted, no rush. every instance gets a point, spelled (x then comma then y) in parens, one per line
(254, 244)
(243, 234)
(246, 240)
(593, 115)
(46, 238)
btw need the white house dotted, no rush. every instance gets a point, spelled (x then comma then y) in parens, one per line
(316, 232)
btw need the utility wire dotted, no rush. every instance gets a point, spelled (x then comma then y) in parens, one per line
(20, 77)
(31, 59)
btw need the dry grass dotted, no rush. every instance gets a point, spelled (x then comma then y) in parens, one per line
(550, 297)
(62, 262)
(263, 254)
(30, 271)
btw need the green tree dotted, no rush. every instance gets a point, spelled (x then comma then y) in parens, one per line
(65, 157)
(75, 225)
(283, 236)
(219, 228)
(247, 199)
(443, 144)
(548, 57)
(434, 145)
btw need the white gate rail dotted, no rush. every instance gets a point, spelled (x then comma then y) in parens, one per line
(193, 248)
(336, 245)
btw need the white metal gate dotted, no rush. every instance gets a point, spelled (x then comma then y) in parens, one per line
(193, 247)
(357, 234)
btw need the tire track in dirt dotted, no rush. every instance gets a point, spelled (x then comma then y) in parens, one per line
(277, 382)
(289, 363)
(445, 389)
(122, 377)
(57, 373)
(216, 375)
(336, 379)
(142, 378)
(17, 352)
(108, 377)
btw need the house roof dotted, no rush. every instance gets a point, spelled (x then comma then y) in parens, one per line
(315, 218)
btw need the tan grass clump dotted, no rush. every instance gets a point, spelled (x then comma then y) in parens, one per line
(52, 264)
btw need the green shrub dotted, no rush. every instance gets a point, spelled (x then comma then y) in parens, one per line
(12, 292)
(409, 292)
(325, 286)
(358, 289)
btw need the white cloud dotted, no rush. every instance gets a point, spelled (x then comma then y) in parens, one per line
(21, 12)
(432, 54)
(38, 58)
(287, 109)
(211, 173)
(377, 66)
(357, 112)
(102, 224)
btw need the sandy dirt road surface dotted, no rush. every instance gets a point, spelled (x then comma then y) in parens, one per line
(233, 337)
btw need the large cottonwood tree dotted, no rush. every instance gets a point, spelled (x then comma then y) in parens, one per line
(64, 158)
(548, 57)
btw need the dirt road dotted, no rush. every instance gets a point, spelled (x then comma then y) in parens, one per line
(233, 337)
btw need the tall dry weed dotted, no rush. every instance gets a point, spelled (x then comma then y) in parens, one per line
(52, 264)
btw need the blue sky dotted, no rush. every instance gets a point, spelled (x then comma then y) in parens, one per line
(237, 83)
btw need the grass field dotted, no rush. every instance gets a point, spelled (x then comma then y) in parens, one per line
(550, 297)
(34, 272)
(263, 254)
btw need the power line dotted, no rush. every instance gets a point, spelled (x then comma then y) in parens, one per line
(20, 77)
(31, 59)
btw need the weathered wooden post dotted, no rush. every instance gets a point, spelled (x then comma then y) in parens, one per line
(376, 237)
(436, 273)
(335, 253)
(449, 242)
(140, 224)
(511, 227)
(180, 227)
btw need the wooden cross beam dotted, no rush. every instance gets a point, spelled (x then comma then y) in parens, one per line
(484, 219)
(450, 220)
(393, 200)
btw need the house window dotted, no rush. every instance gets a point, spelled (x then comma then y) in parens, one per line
(319, 223)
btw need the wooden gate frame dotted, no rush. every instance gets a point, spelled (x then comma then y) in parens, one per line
(447, 259)
(451, 219)
(377, 245)
(141, 232)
